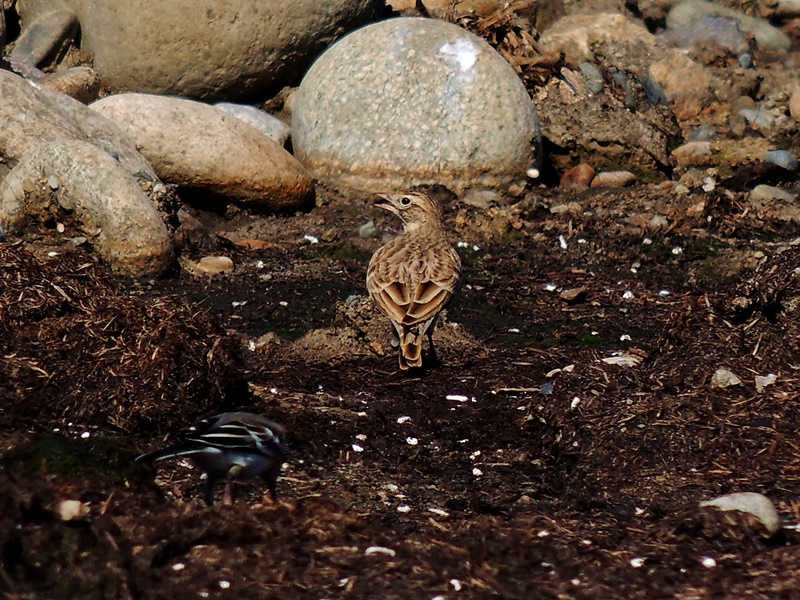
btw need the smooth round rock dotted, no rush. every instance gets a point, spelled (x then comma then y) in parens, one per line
(272, 127)
(201, 147)
(206, 49)
(411, 101)
(613, 179)
(81, 83)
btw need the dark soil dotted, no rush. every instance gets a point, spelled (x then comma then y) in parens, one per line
(494, 475)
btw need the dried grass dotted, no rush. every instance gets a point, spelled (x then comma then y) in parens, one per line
(75, 347)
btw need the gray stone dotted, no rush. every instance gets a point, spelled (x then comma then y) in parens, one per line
(767, 37)
(32, 114)
(94, 192)
(45, 35)
(411, 101)
(272, 127)
(208, 49)
(763, 194)
(782, 158)
(200, 147)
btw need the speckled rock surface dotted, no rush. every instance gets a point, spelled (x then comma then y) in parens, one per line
(208, 49)
(33, 114)
(82, 184)
(410, 101)
(272, 127)
(201, 147)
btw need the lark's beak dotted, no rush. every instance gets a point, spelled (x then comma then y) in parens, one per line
(383, 201)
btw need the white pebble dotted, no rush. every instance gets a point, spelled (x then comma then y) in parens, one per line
(637, 563)
(513, 330)
(708, 562)
(361, 437)
(551, 287)
(575, 402)
(627, 295)
(647, 241)
(379, 550)
(477, 472)
(401, 420)
(85, 435)
(311, 239)
(178, 567)
(624, 338)
(412, 441)
(533, 173)
(582, 241)
(404, 508)
(763, 381)
(283, 303)
(543, 533)
(224, 585)
(438, 511)
(677, 250)
(357, 448)
(663, 293)
(456, 584)
(457, 397)
(562, 242)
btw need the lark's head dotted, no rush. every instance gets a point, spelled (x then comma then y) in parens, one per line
(415, 208)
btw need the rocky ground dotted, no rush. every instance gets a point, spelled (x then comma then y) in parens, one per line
(616, 357)
(561, 451)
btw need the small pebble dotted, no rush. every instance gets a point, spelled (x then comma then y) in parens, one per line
(752, 503)
(782, 158)
(215, 265)
(724, 378)
(613, 179)
(368, 230)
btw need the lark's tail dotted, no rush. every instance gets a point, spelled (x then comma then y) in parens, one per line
(410, 350)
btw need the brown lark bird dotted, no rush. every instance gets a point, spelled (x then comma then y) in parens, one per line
(414, 277)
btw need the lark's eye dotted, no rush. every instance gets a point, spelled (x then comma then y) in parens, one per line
(405, 201)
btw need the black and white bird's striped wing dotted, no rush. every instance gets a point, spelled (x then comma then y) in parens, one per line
(239, 431)
(232, 432)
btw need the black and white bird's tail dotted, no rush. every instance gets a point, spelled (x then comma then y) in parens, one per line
(171, 452)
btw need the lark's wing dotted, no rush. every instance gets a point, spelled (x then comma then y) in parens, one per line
(413, 289)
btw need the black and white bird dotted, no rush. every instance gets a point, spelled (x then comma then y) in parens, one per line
(232, 445)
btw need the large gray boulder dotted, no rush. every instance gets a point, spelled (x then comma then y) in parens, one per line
(411, 101)
(69, 164)
(207, 49)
